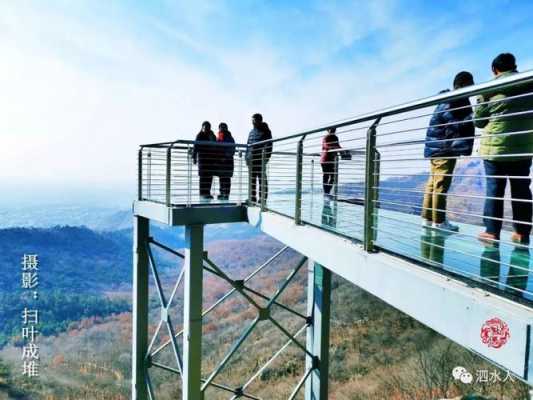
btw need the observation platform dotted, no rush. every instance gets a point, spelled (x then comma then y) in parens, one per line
(366, 230)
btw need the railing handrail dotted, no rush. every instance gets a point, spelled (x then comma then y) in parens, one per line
(474, 90)
(206, 142)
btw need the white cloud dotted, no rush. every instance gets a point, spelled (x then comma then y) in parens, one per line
(80, 93)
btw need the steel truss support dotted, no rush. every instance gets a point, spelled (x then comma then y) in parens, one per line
(189, 362)
(318, 308)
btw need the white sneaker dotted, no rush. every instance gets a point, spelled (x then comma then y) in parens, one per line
(446, 226)
(426, 223)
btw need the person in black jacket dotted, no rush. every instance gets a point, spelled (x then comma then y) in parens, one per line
(254, 156)
(450, 135)
(205, 156)
(328, 159)
(225, 160)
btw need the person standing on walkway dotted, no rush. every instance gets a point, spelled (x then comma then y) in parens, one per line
(328, 160)
(254, 157)
(506, 147)
(450, 135)
(225, 160)
(204, 155)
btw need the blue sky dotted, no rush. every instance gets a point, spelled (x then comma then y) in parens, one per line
(84, 82)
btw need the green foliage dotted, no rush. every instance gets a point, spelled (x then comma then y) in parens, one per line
(57, 310)
(7, 384)
(71, 259)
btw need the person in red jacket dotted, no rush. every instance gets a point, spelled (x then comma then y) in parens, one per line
(328, 158)
(225, 160)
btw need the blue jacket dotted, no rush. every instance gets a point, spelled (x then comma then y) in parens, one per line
(449, 123)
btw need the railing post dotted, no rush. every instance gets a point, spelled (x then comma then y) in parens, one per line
(370, 190)
(299, 170)
(240, 177)
(262, 192)
(149, 175)
(375, 195)
(250, 174)
(312, 187)
(140, 175)
(189, 175)
(335, 187)
(168, 176)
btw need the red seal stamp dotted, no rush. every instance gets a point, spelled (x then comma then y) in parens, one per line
(495, 333)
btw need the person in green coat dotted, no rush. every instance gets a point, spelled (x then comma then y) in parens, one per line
(506, 147)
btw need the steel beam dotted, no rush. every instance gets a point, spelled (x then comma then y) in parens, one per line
(318, 308)
(141, 228)
(194, 215)
(192, 313)
(428, 296)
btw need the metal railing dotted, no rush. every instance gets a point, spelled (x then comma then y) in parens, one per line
(371, 185)
(190, 173)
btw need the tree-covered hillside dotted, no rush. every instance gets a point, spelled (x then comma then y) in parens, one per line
(71, 259)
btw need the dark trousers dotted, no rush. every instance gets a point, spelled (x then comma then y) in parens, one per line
(254, 169)
(205, 185)
(225, 185)
(328, 175)
(520, 190)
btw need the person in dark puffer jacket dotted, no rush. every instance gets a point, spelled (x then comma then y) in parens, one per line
(450, 135)
(205, 156)
(254, 156)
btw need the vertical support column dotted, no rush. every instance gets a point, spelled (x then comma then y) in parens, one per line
(141, 228)
(299, 174)
(370, 183)
(318, 306)
(192, 313)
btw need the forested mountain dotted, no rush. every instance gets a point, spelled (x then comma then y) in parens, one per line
(71, 259)
(80, 268)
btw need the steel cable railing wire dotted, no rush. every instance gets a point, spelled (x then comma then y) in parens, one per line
(388, 176)
(364, 128)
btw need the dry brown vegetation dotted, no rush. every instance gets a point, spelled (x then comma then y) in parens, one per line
(376, 352)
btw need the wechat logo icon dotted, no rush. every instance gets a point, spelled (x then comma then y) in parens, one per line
(461, 374)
